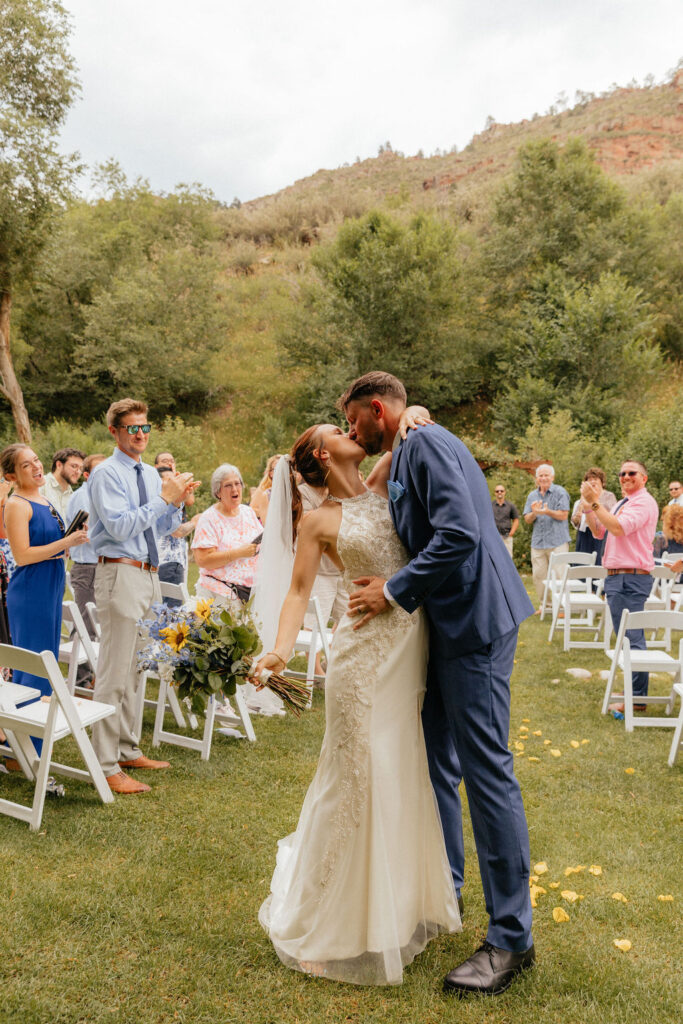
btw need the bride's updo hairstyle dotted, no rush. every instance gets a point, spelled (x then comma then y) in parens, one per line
(303, 461)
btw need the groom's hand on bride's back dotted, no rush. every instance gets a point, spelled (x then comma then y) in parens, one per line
(364, 604)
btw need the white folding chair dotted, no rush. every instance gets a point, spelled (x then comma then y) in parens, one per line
(19, 695)
(556, 566)
(61, 716)
(678, 730)
(627, 659)
(176, 591)
(583, 607)
(76, 648)
(663, 580)
(69, 590)
(312, 642)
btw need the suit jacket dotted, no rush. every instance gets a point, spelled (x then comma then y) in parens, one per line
(460, 569)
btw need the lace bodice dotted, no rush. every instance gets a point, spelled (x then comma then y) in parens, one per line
(368, 544)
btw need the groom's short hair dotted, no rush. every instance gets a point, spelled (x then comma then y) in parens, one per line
(377, 382)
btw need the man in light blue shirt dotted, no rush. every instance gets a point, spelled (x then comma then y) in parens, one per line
(130, 509)
(84, 559)
(547, 507)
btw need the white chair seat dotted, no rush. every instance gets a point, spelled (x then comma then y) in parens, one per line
(678, 731)
(583, 608)
(35, 715)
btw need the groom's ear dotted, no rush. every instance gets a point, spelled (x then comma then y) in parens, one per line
(377, 408)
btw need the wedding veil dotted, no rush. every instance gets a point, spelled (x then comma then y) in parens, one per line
(276, 558)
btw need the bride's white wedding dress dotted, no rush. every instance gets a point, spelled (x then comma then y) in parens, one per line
(364, 882)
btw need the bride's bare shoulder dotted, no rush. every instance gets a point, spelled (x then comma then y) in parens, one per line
(322, 523)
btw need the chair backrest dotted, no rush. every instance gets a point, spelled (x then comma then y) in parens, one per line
(91, 609)
(25, 661)
(72, 616)
(651, 620)
(562, 558)
(176, 591)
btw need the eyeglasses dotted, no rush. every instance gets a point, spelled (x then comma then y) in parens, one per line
(134, 427)
(629, 472)
(500, 492)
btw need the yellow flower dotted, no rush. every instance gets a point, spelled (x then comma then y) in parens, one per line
(537, 732)
(595, 869)
(574, 744)
(204, 607)
(534, 759)
(534, 892)
(666, 899)
(546, 743)
(556, 753)
(175, 636)
(629, 771)
(570, 896)
(623, 944)
(541, 867)
(554, 885)
(519, 746)
(619, 896)
(574, 871)
(560, 915)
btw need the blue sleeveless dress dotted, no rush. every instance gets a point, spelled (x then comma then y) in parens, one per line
(35, 594)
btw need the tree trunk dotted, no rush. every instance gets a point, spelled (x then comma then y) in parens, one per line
(9, 385)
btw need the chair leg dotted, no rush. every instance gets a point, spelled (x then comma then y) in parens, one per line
(610, 684)
(244, 715)
(628, 697)
(676, 741)
(208, 728)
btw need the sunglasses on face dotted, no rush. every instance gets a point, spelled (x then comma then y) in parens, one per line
(134, 427)
(629, 472)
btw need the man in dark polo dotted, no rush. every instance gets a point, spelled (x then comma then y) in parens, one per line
(505, 515)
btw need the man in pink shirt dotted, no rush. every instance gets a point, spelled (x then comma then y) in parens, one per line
(628, 556)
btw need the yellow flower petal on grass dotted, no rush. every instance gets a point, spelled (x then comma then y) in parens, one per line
(535, 891)
(519, 746)
(570, 896)
(537, 732)
(666, 899)
(526, 719)
(583, 742)
(595, 869)
(623, 944)
(534, 759)
(555, 752)
(554, 885)
(546, 743)
(619, 896)
(574, 744)
(574, 871)
(540, 868)
(629, 771)
(560, 915)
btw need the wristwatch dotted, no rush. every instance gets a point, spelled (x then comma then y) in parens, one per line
(595, 506)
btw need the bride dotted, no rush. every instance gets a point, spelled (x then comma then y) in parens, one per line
(363, 883)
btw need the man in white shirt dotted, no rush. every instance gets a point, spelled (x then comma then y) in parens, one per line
(676, 492)
(67, 466)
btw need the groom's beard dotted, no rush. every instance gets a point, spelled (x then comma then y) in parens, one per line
(371, 442)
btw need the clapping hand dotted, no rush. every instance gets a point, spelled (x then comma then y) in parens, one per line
(588, 493)
(176, 486)
(539, 507)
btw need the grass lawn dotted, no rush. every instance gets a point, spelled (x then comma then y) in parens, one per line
(145, 911)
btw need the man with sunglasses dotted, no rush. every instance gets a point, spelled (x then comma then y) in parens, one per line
(130, 510)
(676, 492)
(506, 516)
(628, 555)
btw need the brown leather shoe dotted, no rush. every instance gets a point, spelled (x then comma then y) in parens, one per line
(145, 762)
(122, 783)
(11, 765)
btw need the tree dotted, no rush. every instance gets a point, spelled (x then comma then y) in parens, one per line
(37, 87)
(585, 349)
(388, 295)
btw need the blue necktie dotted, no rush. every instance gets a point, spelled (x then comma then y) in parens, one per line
(619, 505)
(149, 532)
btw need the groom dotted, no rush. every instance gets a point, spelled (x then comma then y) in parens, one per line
(475, 600)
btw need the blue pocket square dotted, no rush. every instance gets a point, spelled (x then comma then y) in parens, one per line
(396, 490)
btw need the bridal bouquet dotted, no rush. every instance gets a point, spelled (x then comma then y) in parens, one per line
(210, 651)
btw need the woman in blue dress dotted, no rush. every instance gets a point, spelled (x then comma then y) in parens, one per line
(36, 535)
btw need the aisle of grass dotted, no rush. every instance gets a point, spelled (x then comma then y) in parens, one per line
(145, 912)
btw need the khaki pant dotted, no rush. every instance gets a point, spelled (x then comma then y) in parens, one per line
(540, 560)
(123, 594)
(507, 541)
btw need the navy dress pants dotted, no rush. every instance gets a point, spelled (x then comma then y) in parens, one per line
(466, 719)
(630, 592)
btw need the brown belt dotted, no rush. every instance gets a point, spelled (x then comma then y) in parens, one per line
(129, 561)
(628, 572)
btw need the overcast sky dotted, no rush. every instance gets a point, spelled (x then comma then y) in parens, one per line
(248, 97)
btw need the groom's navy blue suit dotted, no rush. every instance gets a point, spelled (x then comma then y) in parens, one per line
(462, 574)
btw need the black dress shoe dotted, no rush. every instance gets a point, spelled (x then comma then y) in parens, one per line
(461, 907)
(488, 971)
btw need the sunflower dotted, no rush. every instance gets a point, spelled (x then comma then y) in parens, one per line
(175, 636)
(204, 608)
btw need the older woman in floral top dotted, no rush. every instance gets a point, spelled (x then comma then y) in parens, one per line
(223, 544)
